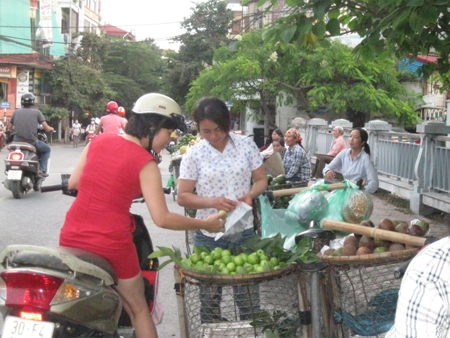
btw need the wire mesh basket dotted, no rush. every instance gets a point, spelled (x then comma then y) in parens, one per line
(365, 292)
(247, 306)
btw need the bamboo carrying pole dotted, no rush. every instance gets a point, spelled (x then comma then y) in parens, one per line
(374, 232)
(294, 191)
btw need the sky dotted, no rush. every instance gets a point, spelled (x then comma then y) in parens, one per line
(159, 20)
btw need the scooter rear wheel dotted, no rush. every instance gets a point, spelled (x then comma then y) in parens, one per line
(17, 189)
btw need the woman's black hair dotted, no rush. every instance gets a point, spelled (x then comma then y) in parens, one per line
(280, 140)
(279, 132)
(148, 125)
(215, 110)
(364, 137)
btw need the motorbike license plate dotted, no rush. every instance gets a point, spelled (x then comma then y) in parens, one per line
(14, 175)
(16, 327)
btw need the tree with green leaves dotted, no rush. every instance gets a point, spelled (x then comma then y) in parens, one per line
(132, 69)
(328, 76)
(333, 77)
(75, 82)
(206, 31)
(387, 27)
(246, 75)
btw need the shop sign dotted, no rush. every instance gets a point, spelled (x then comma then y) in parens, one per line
(22, 85)
(8, 71)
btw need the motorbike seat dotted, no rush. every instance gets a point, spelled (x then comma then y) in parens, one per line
(22, 146)
(58, 258)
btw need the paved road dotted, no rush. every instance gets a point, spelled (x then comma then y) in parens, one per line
(37, 218)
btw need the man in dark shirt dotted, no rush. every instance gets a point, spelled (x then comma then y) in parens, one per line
(25, 122)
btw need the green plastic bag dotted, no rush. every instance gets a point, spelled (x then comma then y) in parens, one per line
(273, 222)
(308, 205)
(348, 205)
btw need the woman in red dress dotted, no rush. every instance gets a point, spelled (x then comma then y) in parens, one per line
(111, 172)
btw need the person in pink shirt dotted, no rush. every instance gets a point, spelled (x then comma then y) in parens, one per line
(111, 123)
(322, 160)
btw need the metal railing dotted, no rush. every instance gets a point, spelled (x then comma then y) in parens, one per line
(419, 163)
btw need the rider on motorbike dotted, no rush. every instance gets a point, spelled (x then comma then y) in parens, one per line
(121, 113)
(24, 122)
(111, 172)
(111, 123)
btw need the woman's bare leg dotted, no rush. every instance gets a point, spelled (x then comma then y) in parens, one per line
(132, 294)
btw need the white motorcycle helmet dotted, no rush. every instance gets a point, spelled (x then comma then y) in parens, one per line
(154, 103)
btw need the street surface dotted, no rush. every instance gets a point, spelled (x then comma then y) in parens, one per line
(37, 219)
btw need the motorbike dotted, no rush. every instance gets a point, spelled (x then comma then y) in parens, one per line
(89, 137)
(61, 292)
(22, 166)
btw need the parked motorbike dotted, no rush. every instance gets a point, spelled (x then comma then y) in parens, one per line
(61, 292)
(22, 167)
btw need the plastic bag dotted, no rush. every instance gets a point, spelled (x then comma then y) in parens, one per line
(355, 210)
(234, 226)
(308, 205)
(273, 222)
(358, 206)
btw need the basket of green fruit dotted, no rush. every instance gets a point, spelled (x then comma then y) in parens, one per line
(258, 260)
(246, 291)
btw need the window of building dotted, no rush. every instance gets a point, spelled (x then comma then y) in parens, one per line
(4, 90)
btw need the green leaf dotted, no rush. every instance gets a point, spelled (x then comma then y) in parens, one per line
(429, 13)
(415, 3)
(162, 265)
(261, 2)
(287, 34)
(334, 27)
(319, 29)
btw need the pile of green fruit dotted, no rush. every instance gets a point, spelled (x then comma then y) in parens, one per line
(259, 255)
(275, 181)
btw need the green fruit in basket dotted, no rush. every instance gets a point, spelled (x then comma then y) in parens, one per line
(225, 271)
(241, 270)
(274, 261)
(244, 257)
(266, 266)
(264, 258)
(195, 258)
(260, 253)
(222, 266)
(226, 253)
(277, 267)
(248, 267)
(218, 262)
(238, 260)
(203, 255)
(253, 259)
(216, 254)
(209, 259)
(231, 266)
(269, 178)
(226, 259)
(258, 268)
(199, 264)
